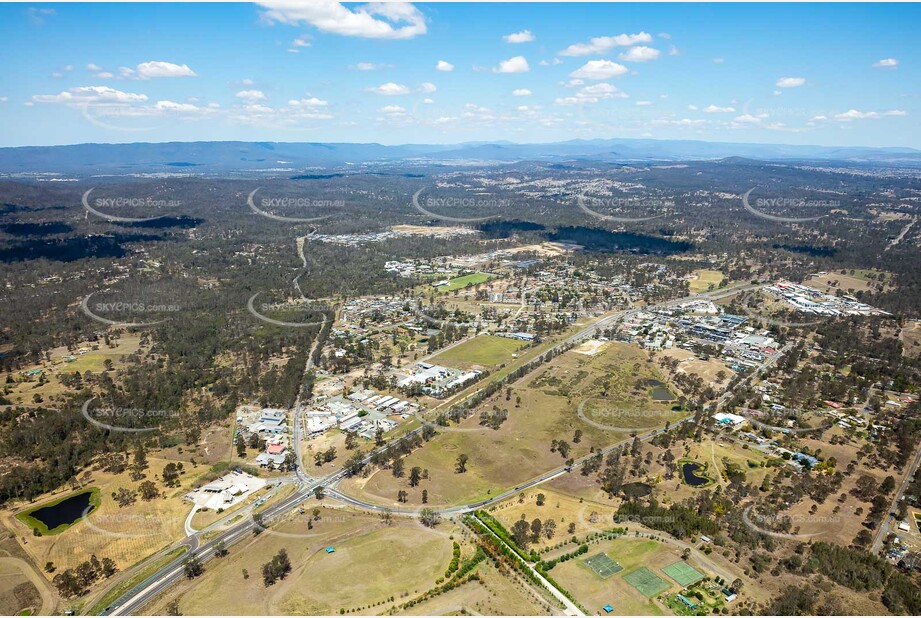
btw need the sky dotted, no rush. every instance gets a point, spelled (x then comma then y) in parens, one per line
(395, 73)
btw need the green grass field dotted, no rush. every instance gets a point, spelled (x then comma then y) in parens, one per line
(130, 582)
(487, 351)
(648, 583)
(26, 516)
(705, 278)
(459, 283)
(603, 565)
(683, 573)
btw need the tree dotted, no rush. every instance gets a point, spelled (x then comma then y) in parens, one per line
(521, 533)
(429, 518)
(535, 529)
(736, 585)
(318, 492)
(686, 553)
(277, 568)
(577, 436)
(425, 496)
(387, 516)
(414, 476)
(148, 490)
(351, 440)
(549, 528)
(397, 467)
(193, 567)
(540, 499)
(172, 608)
(401, 496)
(461, 464)
(170, 475)
(220, 548)
(240, 443)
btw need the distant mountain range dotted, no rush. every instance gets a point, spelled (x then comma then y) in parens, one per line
(262, 157)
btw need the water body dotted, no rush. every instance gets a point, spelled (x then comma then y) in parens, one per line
(636, 490)
(659, 392)
(689, 472)
(64, 512)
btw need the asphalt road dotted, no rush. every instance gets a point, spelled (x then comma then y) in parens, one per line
(150, 588)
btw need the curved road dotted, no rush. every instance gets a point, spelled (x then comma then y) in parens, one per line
(150, 588)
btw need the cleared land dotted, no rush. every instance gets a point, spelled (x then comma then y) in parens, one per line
(459, 283)
(683, 573)
(125, 534)
(648, 583)
(521, 448)
(594, 592)
(372, 562)
(482, 352)
(704, 280)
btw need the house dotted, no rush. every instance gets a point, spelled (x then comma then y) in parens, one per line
(276, 449)
(264, 460)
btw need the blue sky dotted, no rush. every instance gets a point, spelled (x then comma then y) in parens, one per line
(289, 70)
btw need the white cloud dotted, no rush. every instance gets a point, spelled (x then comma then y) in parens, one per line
(390, 89)
(692, 107)
(886, 63)
(592, 94)
(853, 114)
(718, 60)
(643, 103)
(602, 44)
(444, 66)
(393, 109)
(301, 41)
(640, 53)
(428, 101)
(105, 75)
(311, 102)
(521, 92)
(790, 82)
(367, 66)
(376, 20)
(713, 109)
(158, 68)
(747, 119)
(516, 64)
(251, 95)
(91, 94)
(427, 88)
(93, 67)
(525, 36)
(599, 69)
(170, 106)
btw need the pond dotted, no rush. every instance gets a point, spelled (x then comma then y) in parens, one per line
(636, 490)
(64, 512)
(658, 391)
(689, 473)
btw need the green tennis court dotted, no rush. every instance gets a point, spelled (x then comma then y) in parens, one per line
(603, 565)
(648, 583)
(683, 573)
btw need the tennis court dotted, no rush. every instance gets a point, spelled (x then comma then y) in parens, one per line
(648, 583)
(603, 565)
(683, 573)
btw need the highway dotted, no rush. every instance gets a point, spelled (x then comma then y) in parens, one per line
(150, 588)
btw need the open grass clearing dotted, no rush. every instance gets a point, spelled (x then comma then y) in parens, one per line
(521, 448)
(371, 563)
(481, 352)
(704, 280)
